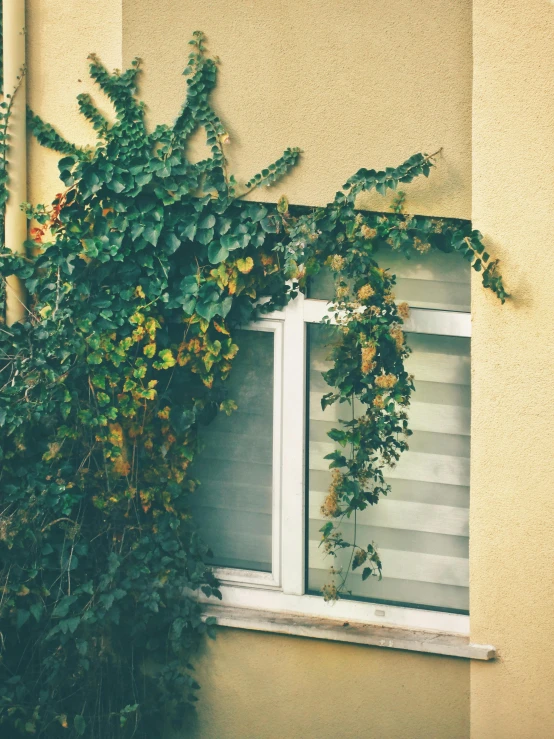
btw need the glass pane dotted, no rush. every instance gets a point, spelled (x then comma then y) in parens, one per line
(434, 280)
(235, 466)
(421, 528)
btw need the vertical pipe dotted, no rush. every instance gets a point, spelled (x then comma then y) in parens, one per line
(16, 221)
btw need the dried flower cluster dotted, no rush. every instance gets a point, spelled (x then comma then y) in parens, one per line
(386, 382)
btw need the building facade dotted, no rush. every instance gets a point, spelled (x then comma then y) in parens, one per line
(369, 84)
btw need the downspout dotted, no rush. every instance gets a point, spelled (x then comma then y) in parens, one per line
(16, 221)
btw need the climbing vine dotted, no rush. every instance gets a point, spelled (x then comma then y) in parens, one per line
(138, 275)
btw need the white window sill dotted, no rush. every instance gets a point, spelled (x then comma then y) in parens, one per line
(254, 592)
(429, 642)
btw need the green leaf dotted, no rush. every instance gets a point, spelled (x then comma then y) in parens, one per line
(22, 617)
(91, 250)
(258, 213)
(152, 233)
(190, 231)
(80, 725)
(62, 608)
(189, 285)
(235, 241)
(143, 178)
(136, 230)
(217, 252)
(95, 358)
(36, 610)
(224, 225)
(172, 242)
(225, 306)
(207, 223)
(205, 236)
(207, 310)
(270, 225)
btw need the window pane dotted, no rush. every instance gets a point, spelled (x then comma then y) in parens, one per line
(433, 280)
(421, 528)
(235, 467)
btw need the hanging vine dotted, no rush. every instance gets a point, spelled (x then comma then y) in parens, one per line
(138, 275)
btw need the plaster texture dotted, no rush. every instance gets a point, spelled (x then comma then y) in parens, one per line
(352, 83)
(60, 36)
(512, 493)
(272, 686)
(368, 84)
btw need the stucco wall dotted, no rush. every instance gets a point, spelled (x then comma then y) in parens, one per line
(267, 686)
(512, 493)
(353, 84)
(60, 36)
(367, 84)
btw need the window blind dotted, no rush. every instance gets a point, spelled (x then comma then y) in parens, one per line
(421, 528)
(235, 466)
(433, 280)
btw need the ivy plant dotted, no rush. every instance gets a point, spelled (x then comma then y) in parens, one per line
(138, 275)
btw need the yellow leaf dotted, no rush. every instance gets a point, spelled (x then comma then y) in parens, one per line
(221, 329)
(45, 311)
(228, 406)
(137, 318)
(245, 265)
(232, 352)
(63, 721)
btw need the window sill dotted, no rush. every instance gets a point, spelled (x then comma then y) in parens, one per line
(429, 642)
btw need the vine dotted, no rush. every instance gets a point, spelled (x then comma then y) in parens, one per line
(138, 275)
(368, 363)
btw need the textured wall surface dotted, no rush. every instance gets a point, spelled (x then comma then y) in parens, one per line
(353, 84)
(367, 84)
(512, 494)
(60, 36)
(268, 686)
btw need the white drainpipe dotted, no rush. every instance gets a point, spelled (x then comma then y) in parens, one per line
(16, 222)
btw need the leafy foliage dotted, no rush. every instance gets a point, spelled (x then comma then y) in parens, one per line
(368, 363)
(138, 275)
(135, 274)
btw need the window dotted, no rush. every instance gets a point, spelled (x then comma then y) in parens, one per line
(264, 475)
(237, 462)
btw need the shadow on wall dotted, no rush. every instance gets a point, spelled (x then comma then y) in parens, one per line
(267, 686)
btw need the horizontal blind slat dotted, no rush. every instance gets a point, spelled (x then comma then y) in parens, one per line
(434, 280)
(418, 566)
(421, 529)
(412, 465)
(233, 502)
(401, 514)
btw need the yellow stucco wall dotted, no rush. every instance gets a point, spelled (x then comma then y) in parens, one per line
(347, 85)
(367, 84)
(512, 494)
(353, 84)
(268, 686)
(60, 36)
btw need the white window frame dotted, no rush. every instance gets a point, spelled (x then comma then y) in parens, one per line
(254, 578)
(284, 589)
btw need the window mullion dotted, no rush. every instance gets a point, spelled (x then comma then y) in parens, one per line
(293, 435)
